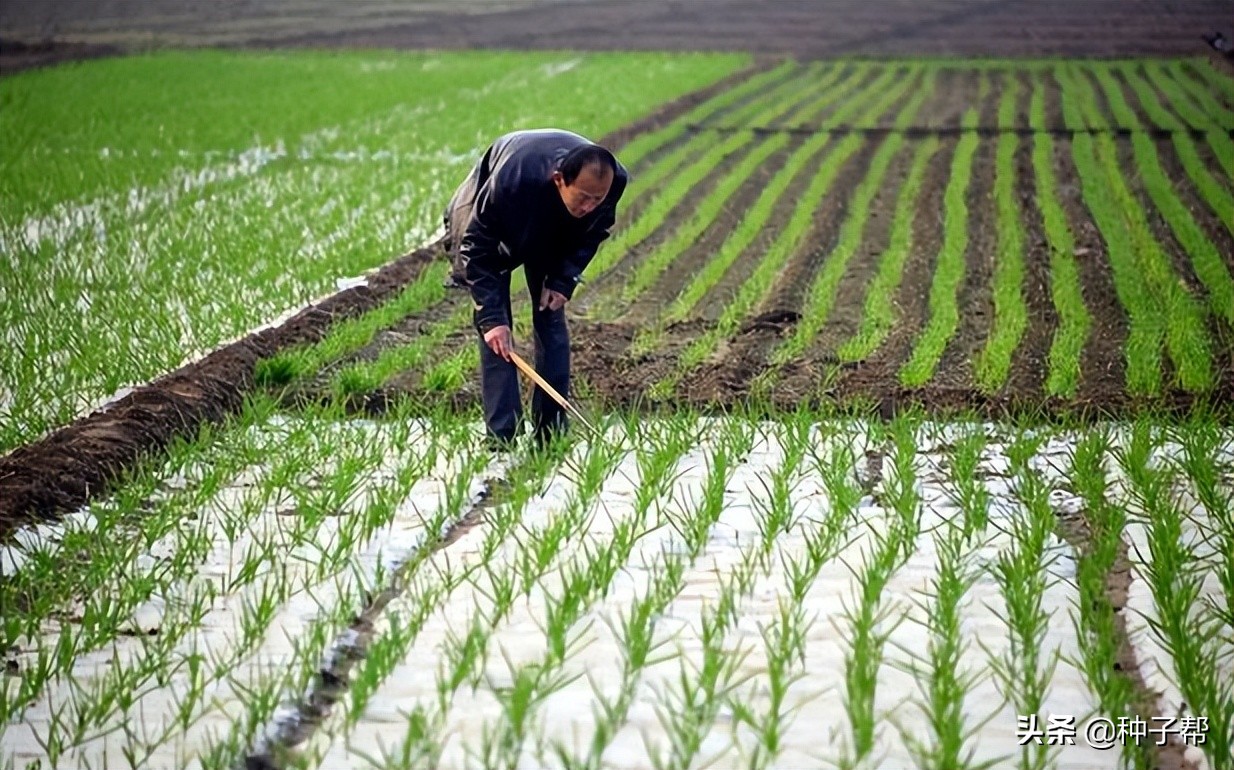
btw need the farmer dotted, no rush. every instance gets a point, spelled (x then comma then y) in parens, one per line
(543, 199)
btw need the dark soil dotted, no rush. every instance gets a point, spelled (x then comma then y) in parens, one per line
(678, 275)
(1031, 362)
(1076, 531)
(67, 29)
(912, 298)
(845, 317)
(1102, 364)
(19, 55)
(975, 293)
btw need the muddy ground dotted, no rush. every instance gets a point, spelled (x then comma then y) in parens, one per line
(33, 33)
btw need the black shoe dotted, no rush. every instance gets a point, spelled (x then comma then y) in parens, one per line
(496, 445)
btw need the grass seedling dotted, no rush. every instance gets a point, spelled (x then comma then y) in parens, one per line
(784, 645)
(944, 314)
(1176, 577)
(689, 713)
(1020, 571)
(1094, 619)
(945, 680)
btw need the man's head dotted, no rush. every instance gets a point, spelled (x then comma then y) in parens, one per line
(584, 177)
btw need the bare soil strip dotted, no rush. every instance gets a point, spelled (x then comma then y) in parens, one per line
(1031, 363)
(955, 92)
(1103, 367)
(610, 283)
(1075, 529)
(80, 461)
(739, 360)
(845, 317)
(788, 293)
(1208, 220)
(807, 28)
(1162, 234)
(744, 265)
(880, 372)
(975, 297)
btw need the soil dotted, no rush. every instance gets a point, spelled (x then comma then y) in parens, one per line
(911, 299)
(975, 294)
(1031, 362)
(681, 272)
(805, 28)
(1074, 528)
(1102, 366)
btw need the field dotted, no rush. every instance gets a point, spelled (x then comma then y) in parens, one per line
(912, 373)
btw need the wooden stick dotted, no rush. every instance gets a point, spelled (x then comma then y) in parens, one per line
(551, 391)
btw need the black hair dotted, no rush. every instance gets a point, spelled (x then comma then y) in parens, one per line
(582, 156)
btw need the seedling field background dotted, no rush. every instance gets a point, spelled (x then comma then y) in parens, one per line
(913, 375)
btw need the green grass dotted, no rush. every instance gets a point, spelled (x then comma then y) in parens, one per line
(1074, 320)
(1159, 309)
(822, 294)
(790, 240)
(189, 197)
(1010, 310)
(1208, 264)
(949, 269)
(879, 314)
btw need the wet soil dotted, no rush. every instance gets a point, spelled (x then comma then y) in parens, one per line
(1076, 530)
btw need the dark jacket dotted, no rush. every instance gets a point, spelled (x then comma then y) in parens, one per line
(508, 212)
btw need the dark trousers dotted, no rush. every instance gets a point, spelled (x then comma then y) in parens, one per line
(499, 378)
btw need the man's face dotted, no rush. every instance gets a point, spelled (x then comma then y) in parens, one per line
(589, 189)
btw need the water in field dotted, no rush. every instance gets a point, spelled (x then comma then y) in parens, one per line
(711, 592)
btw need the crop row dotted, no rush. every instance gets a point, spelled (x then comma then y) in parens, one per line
(1172, 281)
(684, 178)
(679, 590)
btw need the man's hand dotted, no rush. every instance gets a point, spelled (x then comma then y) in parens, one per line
(551, 300)
(500, 341)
